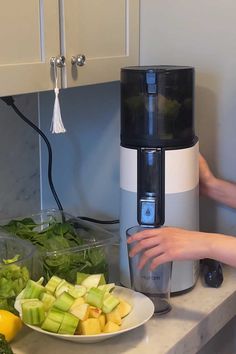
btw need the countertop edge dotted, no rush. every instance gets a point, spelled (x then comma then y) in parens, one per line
(207, 328)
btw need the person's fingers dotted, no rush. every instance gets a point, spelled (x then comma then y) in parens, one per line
(163, 258)
(144, 234)
(154, 251)
(148, 255)
(143, 245)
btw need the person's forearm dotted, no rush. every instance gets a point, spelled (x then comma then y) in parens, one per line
(222, 191)
(223, 249)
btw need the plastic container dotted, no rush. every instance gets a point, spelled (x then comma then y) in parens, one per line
(66, 244)
(155, 284)
(17, 264)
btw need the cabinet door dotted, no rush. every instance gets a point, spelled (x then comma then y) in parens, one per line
(29, 36)
(106, 32)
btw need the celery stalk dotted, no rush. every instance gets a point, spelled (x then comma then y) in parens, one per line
(69, 324)
(33, 312)
(95, 297)
(64, 301)
(109, 303)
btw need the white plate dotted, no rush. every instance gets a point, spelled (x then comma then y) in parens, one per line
(142, 311)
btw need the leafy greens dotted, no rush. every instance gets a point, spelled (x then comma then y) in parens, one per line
(59, 244)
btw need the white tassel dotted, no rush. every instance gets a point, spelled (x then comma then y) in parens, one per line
(57, 124)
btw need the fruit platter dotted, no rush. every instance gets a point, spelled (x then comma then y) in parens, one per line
(89, 311)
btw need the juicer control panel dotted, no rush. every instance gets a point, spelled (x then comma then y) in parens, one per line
(147, 212)
(151, 187)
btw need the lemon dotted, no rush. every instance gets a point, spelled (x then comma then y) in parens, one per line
(10, 324)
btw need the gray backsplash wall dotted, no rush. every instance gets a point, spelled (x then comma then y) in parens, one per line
(19, 159)
(86, 157)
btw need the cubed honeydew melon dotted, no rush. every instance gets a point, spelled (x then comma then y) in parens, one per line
(78, 291)
(80, 311)
(74, 290)
(78, 301)
(80, 277)
(93, 280)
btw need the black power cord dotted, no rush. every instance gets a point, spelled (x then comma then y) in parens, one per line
(10, 102)
(104, 222)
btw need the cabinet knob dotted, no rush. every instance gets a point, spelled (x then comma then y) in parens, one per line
(78, 60)
(59, 61)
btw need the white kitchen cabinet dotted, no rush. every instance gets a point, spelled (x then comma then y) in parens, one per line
(106, 32)
(28, 37)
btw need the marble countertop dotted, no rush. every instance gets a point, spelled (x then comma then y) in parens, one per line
(194, 319)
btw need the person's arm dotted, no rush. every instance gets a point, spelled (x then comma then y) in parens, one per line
(215, 188)
(168, 244)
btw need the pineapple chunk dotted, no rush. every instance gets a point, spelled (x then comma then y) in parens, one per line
(114, 316)
(90, 326)
(81, 311)
(102, 320)
(111, 327)
(123, 308)
(94, 312)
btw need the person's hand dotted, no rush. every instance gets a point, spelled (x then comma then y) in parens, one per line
(167, 244)
(206, 177)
